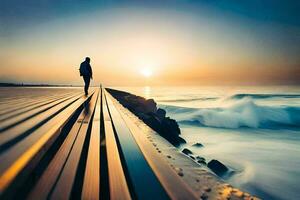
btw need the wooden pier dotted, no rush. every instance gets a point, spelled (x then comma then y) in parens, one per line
(61, 144)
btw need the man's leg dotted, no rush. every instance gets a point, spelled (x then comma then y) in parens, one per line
(86, 84)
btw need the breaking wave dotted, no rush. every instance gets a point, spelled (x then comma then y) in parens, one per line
(189, 99)
(264, 96)
(242, 113)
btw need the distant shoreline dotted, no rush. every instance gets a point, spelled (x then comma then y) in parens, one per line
(36, 85)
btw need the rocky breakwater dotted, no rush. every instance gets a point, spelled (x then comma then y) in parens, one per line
(147, 111)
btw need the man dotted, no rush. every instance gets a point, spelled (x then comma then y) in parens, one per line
(87, 74)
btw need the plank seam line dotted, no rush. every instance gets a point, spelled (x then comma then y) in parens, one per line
(27, 110)
(31, 116)
(63, 166)
(12, 172)
(122, 158)
(11, 142)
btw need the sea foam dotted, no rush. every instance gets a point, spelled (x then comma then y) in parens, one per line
(241, 113)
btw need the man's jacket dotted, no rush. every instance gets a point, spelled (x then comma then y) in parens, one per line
(85, 69)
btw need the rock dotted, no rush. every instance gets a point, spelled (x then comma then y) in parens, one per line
(186, 151)
(217, 167)
(147, 111)
(200, 160)
(207, 189)
(139, 104)
(181, 140)
(204, 196)
(197, 145)
(180, 174)
(150, 106)
(161, 113)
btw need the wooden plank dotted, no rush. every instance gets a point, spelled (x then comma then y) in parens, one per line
(91, 183)
(16, 133)
(167, 176)
(143, 182)
(21, 168)
(30, 106)
(7, 109)
(49, 177)
(117, 181)
(27, 98)
(65, 183)
(18, 94)
(27, 94)
(13, 153)
(51, 174)
(10, 106)
(34, 112)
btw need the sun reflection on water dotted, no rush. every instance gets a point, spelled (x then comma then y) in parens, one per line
(147, 92)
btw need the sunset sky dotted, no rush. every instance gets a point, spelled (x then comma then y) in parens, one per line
(151, 43)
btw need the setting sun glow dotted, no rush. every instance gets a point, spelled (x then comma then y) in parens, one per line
(146, 72)
(187, 43)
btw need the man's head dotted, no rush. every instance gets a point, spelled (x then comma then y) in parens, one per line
(87, 59)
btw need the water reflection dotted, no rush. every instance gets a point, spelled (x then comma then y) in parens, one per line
(147, 92)
(87, 109)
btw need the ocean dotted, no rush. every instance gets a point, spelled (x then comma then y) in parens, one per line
(254, 130)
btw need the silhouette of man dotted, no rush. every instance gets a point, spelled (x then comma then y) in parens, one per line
(87, 73)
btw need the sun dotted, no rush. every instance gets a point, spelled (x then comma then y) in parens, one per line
(146, 72)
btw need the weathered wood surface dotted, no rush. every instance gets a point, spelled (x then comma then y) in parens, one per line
(57, 143)
(91, 182)
(135, 161)
(117, 181)
(27, 143)
(166, 175)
